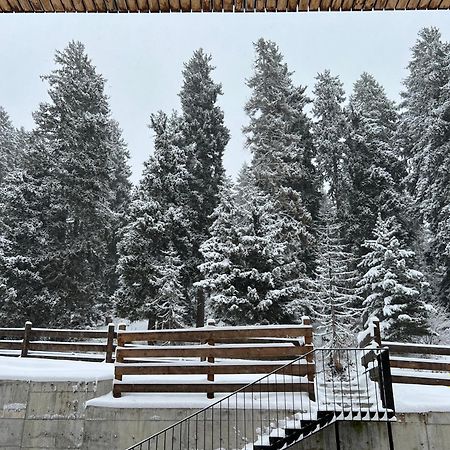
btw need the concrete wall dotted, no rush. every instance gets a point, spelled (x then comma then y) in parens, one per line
(428, 431)
(42, 415)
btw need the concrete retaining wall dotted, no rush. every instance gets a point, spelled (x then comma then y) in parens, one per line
(43, 415)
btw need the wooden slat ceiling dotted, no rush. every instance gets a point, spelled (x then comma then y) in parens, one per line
(145, 6)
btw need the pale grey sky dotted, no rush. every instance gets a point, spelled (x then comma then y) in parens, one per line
(141, 56)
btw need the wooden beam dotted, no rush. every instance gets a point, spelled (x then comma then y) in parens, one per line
(228, 5)
(196, 5)
(111, 5)
(36, 5)
(420, 364)
(68, 5)
(292, 5)
(176, 5)
(66, 347)
(164, 6)
(57, 6)
(198, 387)
(100, 5)
(314, 5)
(423, 349)
(79, 5)
(186, 368)
(282, 5)
(204, 334)
(260, 5)
(5, 6)
(325, 5)
(219, 351)
(133, 6)
(183, 5)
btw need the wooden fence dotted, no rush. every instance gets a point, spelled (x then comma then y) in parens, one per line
(211, 351)
(410, 363)
(80, 345)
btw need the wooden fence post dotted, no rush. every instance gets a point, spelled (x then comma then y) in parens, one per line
(110, 343)
(26, 339)
(211, 323)
(377, 332)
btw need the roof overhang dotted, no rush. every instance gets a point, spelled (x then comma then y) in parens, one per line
(145, 6)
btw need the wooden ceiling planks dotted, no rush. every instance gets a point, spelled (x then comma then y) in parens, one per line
(145, 6)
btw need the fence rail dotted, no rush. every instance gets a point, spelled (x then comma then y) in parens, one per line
(411, 363)
(80, 345)
(209, 351)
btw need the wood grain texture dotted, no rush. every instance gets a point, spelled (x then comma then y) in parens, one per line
(204, 334)
(228, 5)
(223, 351)
(145, 6)
(255, 367)
(196, 5)
(100, 5)
(5, 6)
(111, 5)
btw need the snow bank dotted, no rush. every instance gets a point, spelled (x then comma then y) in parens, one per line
(421, 398)
(30, 369)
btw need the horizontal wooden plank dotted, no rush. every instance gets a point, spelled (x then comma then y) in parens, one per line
(199, 387)
(420, 364)
(66, 346)
(216, 368)
(10, 345)
(68, 334)
(206, 334)
(67, 356)
(219, 351)
(12, 332)
(401, 379)
(422, 349)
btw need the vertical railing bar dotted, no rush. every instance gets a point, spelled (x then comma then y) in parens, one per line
(349, 383)
(357, 380)
(368, 394)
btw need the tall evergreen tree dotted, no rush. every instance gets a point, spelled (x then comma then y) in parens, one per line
(330, 132)
(248, 271)
(63, 201)
(156, 244)
(335, 302)
(375, 169)
(425, 137)
(391, 287)
(205, 133)
(279, 138)
(9, 145)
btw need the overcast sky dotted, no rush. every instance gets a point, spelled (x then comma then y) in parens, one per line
(141, 56)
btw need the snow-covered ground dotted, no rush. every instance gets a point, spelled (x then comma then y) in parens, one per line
(408, 398)
(34, 369)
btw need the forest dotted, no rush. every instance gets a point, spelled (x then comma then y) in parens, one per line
(342, 214)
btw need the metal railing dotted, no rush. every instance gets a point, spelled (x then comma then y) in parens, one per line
(285, 406)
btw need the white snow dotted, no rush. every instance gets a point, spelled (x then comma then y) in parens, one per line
(421, 398)
(31, 369)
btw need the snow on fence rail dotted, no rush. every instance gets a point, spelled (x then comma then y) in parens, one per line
(410, 363)
(80, 345)
(209, 351)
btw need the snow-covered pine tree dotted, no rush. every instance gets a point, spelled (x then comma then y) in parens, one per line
(278, 135)
(248, 272)
(425, 138)
(330, 133)
(9, 145)
(335, 304)
(205, 133)
(155, 246)
(375, 169)
(391, 287)
(63, 201)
